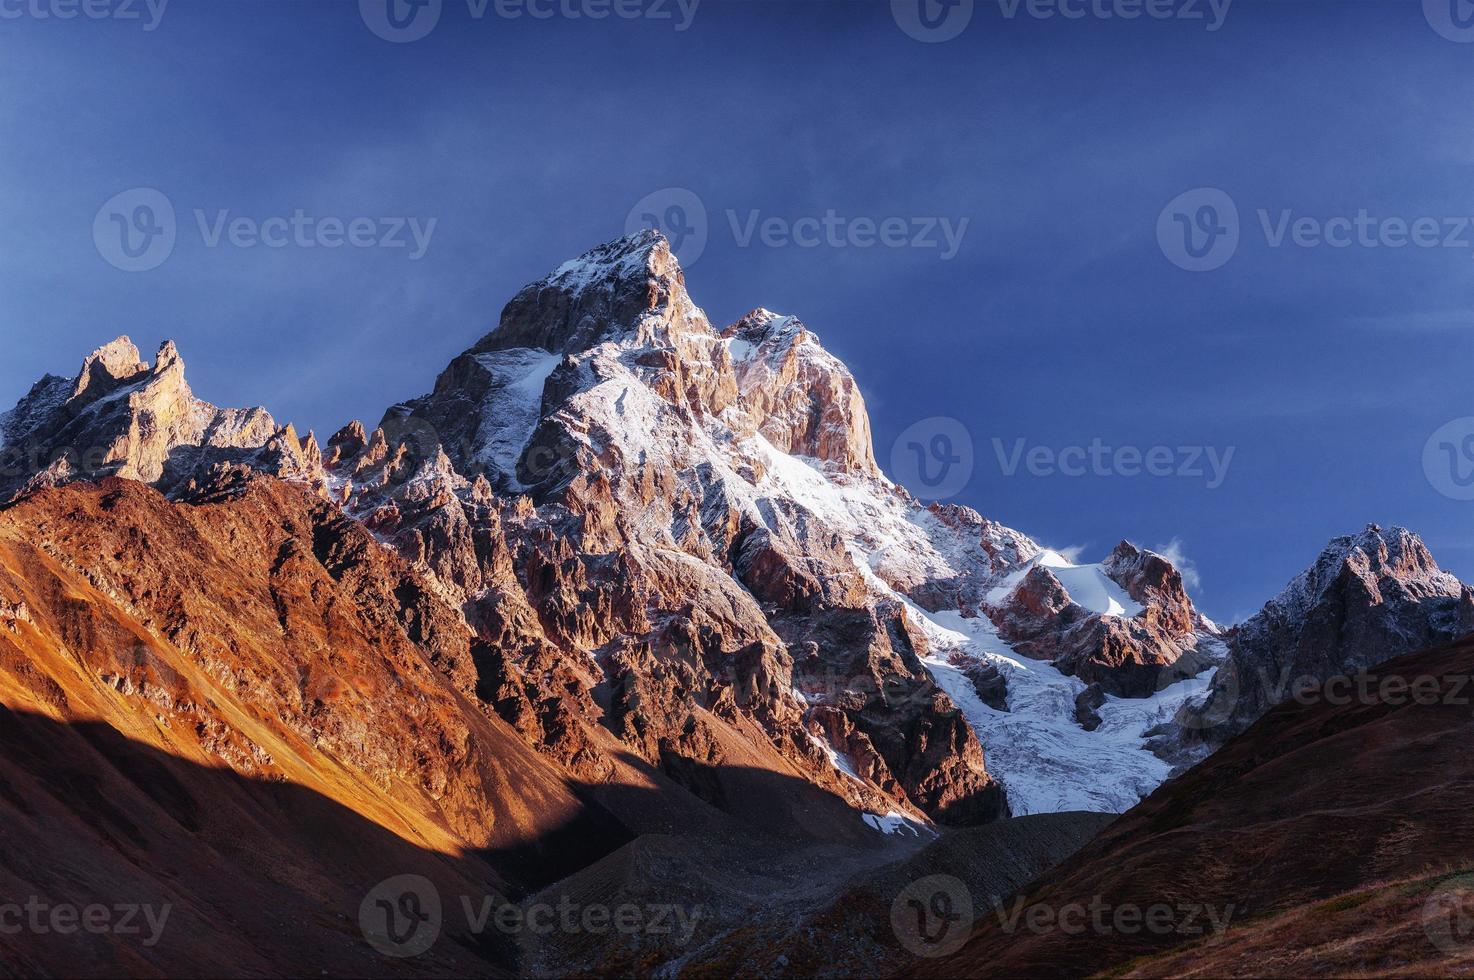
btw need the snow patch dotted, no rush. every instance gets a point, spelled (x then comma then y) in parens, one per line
(1091, 587)
(837, 760)
(1044, 759)
(741, 350)
(1088, 585)
(894, 823)
(511, 412)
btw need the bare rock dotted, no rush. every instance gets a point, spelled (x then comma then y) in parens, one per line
(1368, 597)
(1085, 704)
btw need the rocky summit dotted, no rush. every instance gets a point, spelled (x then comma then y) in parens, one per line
(1367, 598)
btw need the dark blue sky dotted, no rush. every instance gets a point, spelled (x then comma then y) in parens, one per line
(1060, 320)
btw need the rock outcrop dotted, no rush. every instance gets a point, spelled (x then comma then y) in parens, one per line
(1086, 703)
(1368, 597)
(122, 417)
(1131, 629)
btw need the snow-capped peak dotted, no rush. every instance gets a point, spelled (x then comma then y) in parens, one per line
(1374, 555)
(623, 260)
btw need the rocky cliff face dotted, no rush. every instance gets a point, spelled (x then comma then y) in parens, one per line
(619, 573)
(1367, 598)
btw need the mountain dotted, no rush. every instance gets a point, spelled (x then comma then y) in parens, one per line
(699, 514)
(624, 604)
(1322, 840)
(680, 535)
(1368, 597)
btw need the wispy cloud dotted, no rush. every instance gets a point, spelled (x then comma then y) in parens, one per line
(1070, 553)
(1174, 552)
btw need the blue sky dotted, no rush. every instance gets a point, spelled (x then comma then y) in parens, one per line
(1060, 321)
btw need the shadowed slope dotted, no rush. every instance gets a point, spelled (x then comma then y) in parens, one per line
(242, 877)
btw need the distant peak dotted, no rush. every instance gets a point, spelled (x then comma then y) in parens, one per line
(1374, 553)
(119, 354)
(167, 357)
(1395, 539)
(121, 417)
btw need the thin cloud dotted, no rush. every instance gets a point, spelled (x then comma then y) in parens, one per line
(1173, 552)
